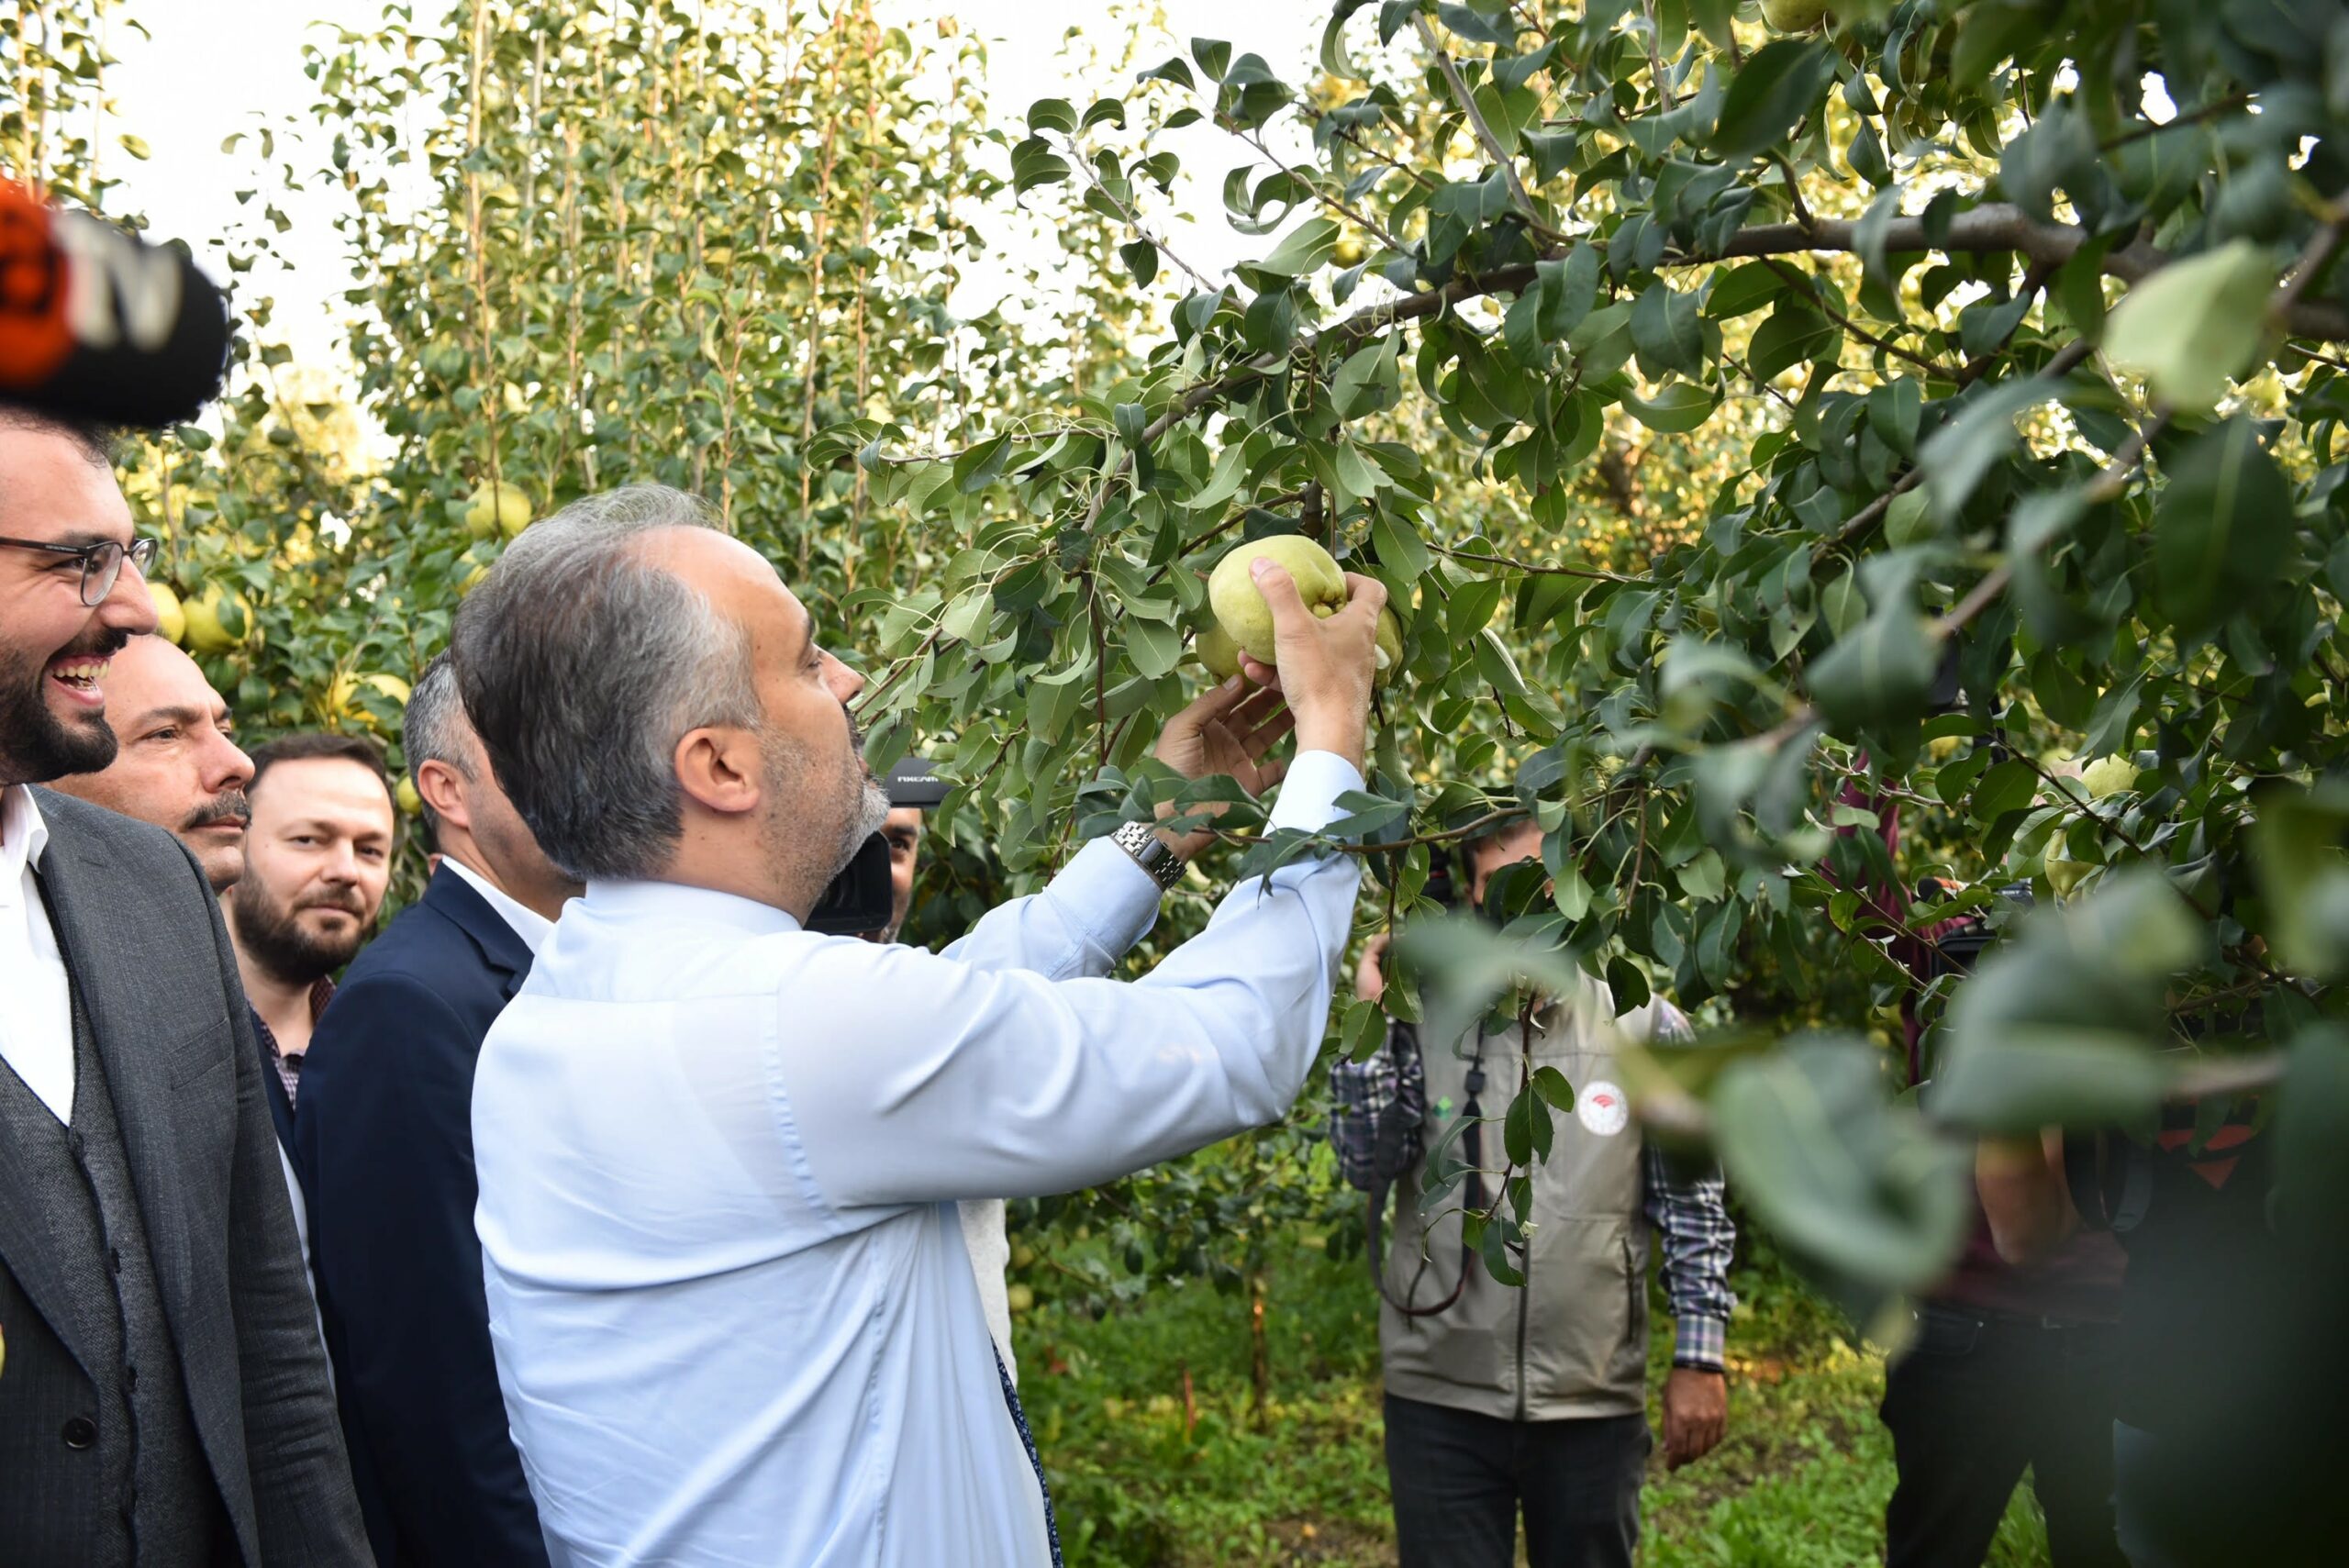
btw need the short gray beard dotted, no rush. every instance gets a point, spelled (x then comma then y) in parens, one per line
(872, 815)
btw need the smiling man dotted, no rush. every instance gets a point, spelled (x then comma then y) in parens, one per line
(175, 765)
(166, 1397)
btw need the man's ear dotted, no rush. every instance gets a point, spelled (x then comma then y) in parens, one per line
(442, 788)
(719, 769)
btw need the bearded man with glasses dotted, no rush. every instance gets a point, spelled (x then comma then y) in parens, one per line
(167, 1399)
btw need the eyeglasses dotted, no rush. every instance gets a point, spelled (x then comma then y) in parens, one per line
(101, 562)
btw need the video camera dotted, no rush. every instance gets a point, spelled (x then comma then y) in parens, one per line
(860, 899)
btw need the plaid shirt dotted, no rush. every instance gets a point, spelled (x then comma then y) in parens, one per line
(1689, 1209)
(289, 1068)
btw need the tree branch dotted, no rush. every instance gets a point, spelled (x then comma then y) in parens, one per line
(1491, 143)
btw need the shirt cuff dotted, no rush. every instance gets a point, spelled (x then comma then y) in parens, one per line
(1701, 1344)
(1111, 897)
(1309, 793)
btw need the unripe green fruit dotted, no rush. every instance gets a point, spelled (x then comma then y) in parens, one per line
(1793, 16)
(1390, 646)
(1218, 653)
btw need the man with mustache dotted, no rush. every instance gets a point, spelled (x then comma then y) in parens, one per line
(176, 765)
(166, 1399)
(318, 861)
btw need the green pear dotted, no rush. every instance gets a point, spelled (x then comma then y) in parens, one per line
(1793, 16)
(1240, 607)
(1390, 646)
(1217, 651)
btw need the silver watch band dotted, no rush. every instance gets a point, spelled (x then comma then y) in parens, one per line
(1141, 842)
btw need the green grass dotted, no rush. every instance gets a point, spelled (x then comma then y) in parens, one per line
(1148, 1476)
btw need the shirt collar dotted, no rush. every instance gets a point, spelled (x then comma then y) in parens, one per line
(528, 923)
(23, 835)
(667, 901)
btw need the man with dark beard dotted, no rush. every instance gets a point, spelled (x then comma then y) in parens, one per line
(317, 860)
(177, 766)
(166, 1395)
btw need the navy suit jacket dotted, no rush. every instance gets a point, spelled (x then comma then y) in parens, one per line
(384, 1148)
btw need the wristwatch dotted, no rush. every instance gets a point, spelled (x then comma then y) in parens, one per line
(1141, 840)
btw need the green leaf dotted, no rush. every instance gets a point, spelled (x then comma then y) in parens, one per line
(1674, 410)
(1304, 248)
(2009, 786)
(1797, 333)
(2297, 846)
(1223, 484)
(2194, 324)
(1779, 84)
(1155, 647)
(1141, 257)
(1810, 1137)
(1369, 381)
(1668, 333)
(1051, 114)
(2220, 527)
(1401, 549)
(1878, 674)
(1744, 290)
(977, 467)
(1553, 1087)
(1033, 164)
(1956, 456)
(2065, 1023)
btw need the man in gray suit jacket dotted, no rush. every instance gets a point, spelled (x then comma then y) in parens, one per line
(163, 1399)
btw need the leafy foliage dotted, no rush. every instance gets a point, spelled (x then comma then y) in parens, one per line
(2024, 313)
(1757, 435)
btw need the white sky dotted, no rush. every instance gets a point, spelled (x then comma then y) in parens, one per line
(216, 67)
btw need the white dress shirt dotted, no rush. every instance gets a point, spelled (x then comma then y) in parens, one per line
(734, 1319)
(987, 1239)
(36, 997)
(528, 924)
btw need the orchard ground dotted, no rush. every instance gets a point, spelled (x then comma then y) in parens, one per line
(1144, 1422)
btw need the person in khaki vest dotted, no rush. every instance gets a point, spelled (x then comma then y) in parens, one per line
(1500, 1397)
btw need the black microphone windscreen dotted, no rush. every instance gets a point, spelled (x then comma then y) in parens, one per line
(99, 327)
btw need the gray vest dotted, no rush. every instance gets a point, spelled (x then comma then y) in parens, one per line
(1573, 1341)
(137, 1432)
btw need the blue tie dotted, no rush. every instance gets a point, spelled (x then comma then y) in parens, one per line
(1019, 1419)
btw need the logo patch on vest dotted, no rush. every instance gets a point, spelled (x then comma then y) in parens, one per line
(1602, 1108)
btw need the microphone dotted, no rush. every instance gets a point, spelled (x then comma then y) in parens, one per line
(98, 325)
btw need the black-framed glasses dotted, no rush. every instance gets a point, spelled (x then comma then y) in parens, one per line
(101, 562)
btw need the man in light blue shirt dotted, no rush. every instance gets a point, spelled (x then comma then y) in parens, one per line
(733, 1318)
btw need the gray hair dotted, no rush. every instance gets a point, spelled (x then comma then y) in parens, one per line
(582, 665)
(433, 731)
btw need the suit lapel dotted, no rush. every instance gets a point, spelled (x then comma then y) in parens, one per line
(501, 947)
(75, 875)
(28, 1246)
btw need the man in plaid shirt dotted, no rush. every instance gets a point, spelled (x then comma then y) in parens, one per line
(1500, 1397)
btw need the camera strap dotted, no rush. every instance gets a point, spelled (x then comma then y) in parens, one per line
(1473, 1140)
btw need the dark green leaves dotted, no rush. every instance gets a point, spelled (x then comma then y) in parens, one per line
(2298, 846)
(2062, 1026)
(1302, 250)
(1668, 333)
(1878, 674)
(1052, 114)
(2220, 527)
(1779, 84)
(2194, 324)
(1810, 1137)
(1034, 163)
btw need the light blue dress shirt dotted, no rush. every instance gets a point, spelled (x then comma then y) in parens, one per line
(734, 1320)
